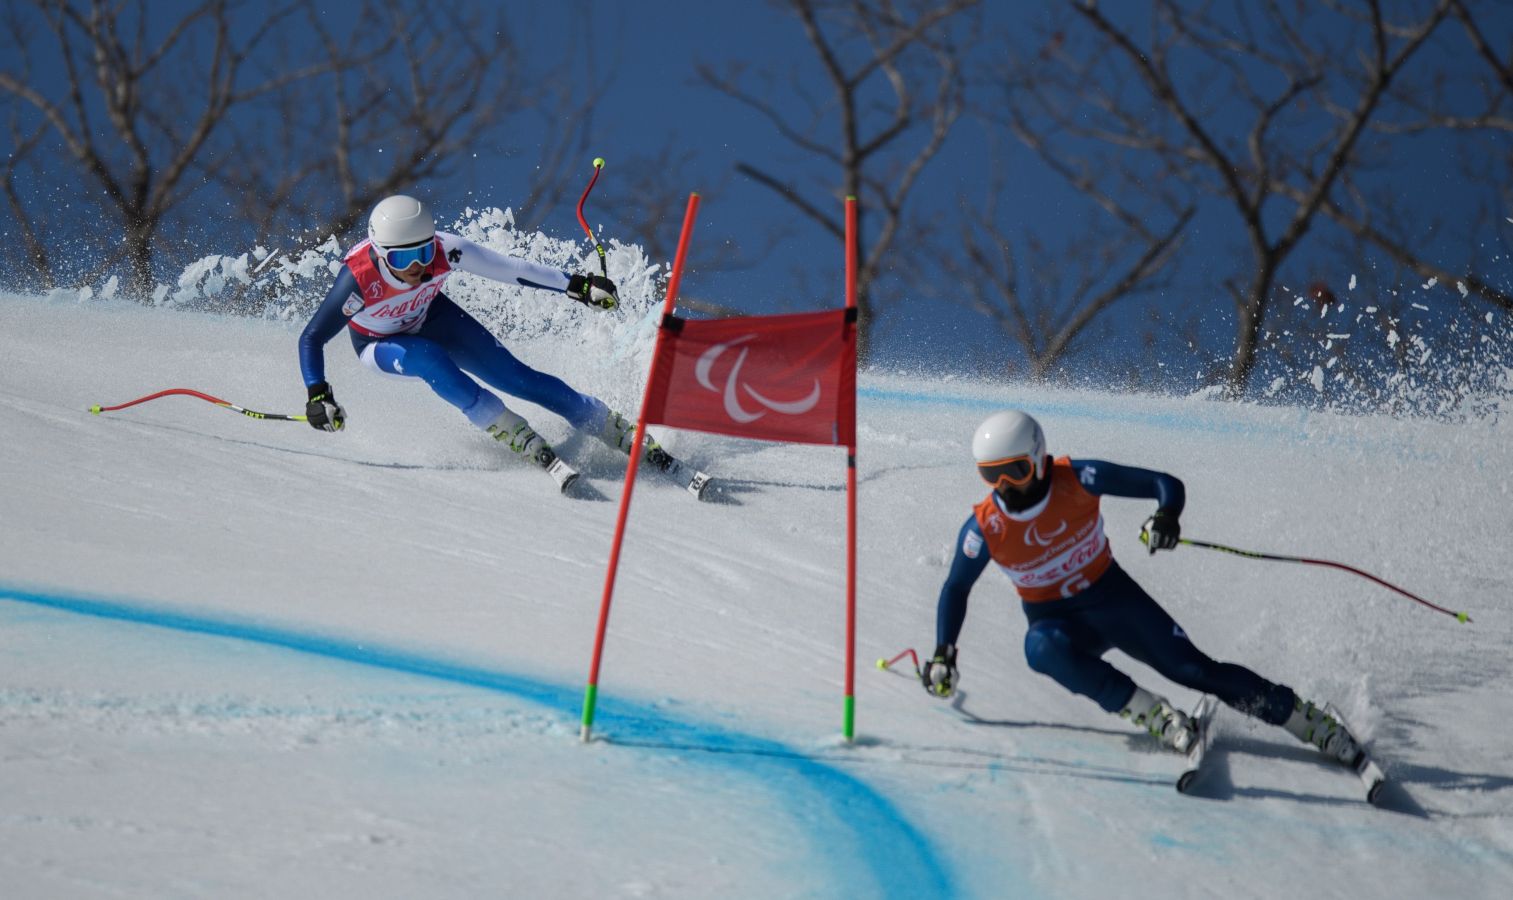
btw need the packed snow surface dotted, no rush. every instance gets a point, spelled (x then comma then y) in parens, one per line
(242, 658)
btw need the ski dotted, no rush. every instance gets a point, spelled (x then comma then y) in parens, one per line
(1365, 768)
(1202, 718)
(1373, 779)
(696, 483)
(562, 473)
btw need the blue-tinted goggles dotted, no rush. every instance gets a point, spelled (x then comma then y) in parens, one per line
(404, 257)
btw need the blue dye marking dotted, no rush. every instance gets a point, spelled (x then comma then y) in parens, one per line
(1073, 410)
(865, 838)
(1205, 422)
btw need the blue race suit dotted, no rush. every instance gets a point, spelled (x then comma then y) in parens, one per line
(439, 342)
(1068, 638)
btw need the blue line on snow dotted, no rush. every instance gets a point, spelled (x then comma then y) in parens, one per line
(883, 846)
(1176, 421)
(1198, 420)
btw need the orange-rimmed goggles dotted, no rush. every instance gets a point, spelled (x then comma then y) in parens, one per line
(1015, 471)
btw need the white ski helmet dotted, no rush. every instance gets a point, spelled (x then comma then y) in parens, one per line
(400, 221)
(1010, 449)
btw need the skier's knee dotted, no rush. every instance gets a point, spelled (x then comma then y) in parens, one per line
(422, 359)
(1046, 646)
(1193, 673)
(416, 359)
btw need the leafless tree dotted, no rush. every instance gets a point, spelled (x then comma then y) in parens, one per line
(283, 118)
(896, 90)
(1473, 107)
(1050, 303)
(157, 125)
(646, 204)
(1228, 101)
(418, 98)
(36, 254)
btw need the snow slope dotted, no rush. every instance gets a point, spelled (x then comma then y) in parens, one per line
(243, 658)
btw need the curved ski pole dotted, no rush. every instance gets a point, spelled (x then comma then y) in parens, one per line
(225, 404)
(1252, 554)
(886, 664)
(598, 247)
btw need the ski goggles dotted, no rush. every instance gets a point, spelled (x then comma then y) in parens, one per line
(401, 258)
(1016, 471)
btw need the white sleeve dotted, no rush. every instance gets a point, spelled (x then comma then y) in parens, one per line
(466, 256)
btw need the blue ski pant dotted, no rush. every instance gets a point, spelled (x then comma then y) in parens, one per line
(450, 346)
(1067, 640)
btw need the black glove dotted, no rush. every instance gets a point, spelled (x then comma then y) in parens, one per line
(322, 411)
(1162, 531)
(939, 674)
(593, 290)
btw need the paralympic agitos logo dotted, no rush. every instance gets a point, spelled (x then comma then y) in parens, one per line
(733, 389)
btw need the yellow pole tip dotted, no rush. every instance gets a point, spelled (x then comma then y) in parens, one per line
(95, 410)
(1463, 617)
(598, 162)
(882, 663)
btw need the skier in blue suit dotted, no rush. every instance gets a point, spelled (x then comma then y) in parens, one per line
(1042, 524)
(388, 294)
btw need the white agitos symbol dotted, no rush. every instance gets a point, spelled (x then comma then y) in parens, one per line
(732, 399)
(1033, 534)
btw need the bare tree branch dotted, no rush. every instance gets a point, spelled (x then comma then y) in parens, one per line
(878, 155)
(295, 133)
(1271, 164)
(1502, 67)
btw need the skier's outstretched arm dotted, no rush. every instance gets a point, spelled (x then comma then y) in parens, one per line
(1102, 477)
(321, 409)
(967, 566)
(593, 290)
(467, 256)
(328, 321)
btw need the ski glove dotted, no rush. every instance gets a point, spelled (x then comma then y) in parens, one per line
(1162, 531)
(593, 290)
(322, 411)
(939, 675)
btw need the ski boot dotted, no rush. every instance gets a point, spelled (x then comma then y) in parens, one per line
(1312, 725)
(517, 434)
(1167, 724)
(619, 433)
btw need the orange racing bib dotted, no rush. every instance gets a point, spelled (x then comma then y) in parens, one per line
(1056, 551)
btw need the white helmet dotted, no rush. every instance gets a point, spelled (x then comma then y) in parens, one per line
(400, 221)
(1010, 449)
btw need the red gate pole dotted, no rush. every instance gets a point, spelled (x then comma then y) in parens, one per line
(591, 694)
(849, 726)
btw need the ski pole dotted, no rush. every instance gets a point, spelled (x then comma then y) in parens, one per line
(603, 266)
(887, 663)
(251, 414)
(1251, 554)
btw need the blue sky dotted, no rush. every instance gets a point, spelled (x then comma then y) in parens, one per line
(645, 55)
(652, 96)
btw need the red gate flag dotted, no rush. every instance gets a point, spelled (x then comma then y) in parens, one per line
(773, 378)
